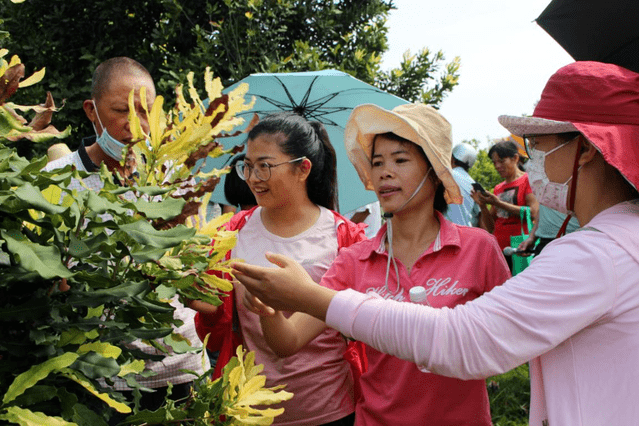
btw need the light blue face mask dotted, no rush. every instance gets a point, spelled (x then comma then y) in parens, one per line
(111, 146)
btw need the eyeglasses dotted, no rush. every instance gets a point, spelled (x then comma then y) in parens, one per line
(262, 169)
(530, 141)
(529, 144)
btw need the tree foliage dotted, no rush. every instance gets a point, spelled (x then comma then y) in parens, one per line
(124, 252)
(233, 37)
(483, 171)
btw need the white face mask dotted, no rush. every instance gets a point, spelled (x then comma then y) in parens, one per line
(111, 146)
(550, 194)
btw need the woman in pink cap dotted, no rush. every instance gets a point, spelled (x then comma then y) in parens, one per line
(404, 155)
(574, 312)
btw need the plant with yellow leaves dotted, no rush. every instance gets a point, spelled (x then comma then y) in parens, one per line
(124, 258)
(13, 126)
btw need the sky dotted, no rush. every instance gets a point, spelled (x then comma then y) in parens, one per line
(506, 58)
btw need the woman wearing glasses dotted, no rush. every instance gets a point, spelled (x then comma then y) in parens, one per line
(290, 166)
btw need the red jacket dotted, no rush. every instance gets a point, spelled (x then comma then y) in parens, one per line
(224, 336)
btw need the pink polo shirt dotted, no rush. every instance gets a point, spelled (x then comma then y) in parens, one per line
(461, 264)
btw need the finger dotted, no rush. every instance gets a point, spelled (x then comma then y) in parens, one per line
(249, 270)
(255, 305)
(278, 259)
(251, 283)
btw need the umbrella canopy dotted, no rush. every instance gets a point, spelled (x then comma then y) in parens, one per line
(595, 30)
(326, 96)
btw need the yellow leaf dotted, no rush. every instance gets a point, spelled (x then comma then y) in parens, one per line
(36, 77)
(15, 60)
(105, 349)
(118, 406)
(135, 367)
(24, 417)
(211, 227)
(134, 121)
(95, 312)
(157, 122)
(36, 373)
(216, 282)
(72, 336)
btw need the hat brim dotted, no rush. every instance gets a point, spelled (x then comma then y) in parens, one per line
(522, 126)
(601, 135)
(368, 120)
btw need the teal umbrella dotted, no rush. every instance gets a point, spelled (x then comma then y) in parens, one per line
(327, 96)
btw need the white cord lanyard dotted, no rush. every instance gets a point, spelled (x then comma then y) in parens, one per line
(389, 238)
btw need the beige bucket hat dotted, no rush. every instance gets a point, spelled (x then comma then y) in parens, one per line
(418, 123)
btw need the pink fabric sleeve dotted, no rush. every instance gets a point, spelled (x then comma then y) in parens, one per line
(559, 294)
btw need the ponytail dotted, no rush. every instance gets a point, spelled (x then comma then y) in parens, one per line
(323, 183)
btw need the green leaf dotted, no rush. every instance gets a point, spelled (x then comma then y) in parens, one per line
(37, 373)
(45, 260)
(179, 344)
(165, 209)
(26, 417)
(94, 365)
(121, 291)
(184, 282)
(151, 334)
(148, 254)
(100, 205)
(72, 336)
(32, 195)
(144, 233)
(34, 395)
(84, 416)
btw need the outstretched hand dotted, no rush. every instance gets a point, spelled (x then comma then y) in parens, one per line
(287, 287)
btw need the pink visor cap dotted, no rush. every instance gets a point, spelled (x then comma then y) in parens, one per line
(599, 100)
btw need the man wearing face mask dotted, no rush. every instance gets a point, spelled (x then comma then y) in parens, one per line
(573, 314)
(108, 111)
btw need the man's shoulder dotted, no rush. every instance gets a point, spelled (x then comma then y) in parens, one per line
(61, 162)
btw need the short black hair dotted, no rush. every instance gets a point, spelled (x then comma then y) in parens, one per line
(507, 149)
(104, 72)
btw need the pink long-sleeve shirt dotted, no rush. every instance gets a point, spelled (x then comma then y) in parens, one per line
(460, 265)
(574, 314)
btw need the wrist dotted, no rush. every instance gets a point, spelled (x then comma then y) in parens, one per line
(318, 302)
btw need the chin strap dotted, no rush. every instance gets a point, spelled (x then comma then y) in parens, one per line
(389, 236)
(573, 190)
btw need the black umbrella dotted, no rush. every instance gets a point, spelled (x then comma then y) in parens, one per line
(595, 30)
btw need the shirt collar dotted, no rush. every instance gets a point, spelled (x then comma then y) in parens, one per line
(89, 165)
(448, 235)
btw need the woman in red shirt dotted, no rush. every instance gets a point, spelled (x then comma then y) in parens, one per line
(503, 218)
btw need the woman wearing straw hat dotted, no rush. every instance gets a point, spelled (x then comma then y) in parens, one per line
(404, 155)
(574, 312)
